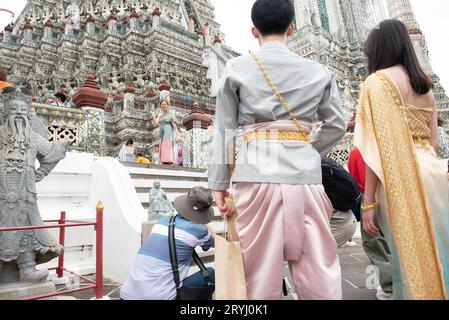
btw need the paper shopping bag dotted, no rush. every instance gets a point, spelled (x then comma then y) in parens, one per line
(230, 281)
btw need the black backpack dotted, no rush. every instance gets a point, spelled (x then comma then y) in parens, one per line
(341, 188)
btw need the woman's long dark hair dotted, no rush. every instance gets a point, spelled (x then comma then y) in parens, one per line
(388, 45)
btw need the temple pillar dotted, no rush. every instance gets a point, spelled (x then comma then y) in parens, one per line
(133, 20)
(48, 29)
(129, 96)
(197, 139)
(7, 33)
(27, 32)
(191, 23)
(156, 18)
(112, 22)
(92, 101)
(207, 31)
(90, 26)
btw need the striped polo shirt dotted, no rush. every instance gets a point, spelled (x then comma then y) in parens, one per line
(151, 277)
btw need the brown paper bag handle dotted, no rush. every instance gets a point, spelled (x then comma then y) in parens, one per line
(230, 231)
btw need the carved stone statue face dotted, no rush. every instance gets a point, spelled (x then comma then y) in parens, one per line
(157, 185)
(16, 107)
(17, 121)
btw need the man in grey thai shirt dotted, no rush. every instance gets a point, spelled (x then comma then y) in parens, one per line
(283, 211)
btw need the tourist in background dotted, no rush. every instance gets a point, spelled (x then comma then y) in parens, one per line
(141, 159)
(376, 247)
(180, 148)
(283, 210)
(127, 152)
(443, 142)
(168, 130)
(4, 79)
(151, 277)
(343, 227)
(406, 184)
(59, 99)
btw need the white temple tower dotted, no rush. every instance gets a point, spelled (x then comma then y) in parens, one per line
(333, 32)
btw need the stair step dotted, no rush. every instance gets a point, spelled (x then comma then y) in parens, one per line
(171, 196)
(166, 173)
(143, 195)
(146, 205)
(168, 185)
(159, 177)
(134, 165)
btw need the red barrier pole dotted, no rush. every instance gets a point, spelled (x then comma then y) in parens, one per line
(99, 251)
(60, 270)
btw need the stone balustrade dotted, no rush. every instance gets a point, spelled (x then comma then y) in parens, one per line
(342, 150)
(83, 128)
(64, 123)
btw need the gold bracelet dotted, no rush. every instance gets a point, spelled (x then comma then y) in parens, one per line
(369, 207)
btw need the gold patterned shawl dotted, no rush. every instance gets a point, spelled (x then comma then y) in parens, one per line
(383, 136)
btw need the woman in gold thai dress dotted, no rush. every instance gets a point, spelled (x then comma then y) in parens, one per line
(406, 184)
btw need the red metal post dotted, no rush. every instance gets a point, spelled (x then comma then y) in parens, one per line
(99, 251)
(60, 270)
(63, 223)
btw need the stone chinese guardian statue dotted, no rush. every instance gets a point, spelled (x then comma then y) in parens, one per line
(160, 206)
(20, 147)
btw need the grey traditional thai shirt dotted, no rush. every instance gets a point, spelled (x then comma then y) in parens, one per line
(245, 98)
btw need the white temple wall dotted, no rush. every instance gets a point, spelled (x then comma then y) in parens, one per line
(75, 186)
(123, 216)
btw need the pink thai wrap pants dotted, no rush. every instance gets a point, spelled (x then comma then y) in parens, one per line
(278, 223)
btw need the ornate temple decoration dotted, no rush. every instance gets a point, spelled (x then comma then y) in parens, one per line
(132, 47)
(403, 11)
(332, 32)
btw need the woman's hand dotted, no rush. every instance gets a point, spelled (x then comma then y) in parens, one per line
(369, 223)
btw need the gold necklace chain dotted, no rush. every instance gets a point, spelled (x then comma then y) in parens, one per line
(281, 98)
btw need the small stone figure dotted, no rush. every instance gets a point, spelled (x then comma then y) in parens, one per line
(160, 206)
(20, 147)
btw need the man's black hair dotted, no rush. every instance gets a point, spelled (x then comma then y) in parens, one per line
(273, 17)
(130, 142)
(140, 154)
(61, 96)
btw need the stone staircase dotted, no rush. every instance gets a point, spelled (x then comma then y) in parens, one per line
(175, 181)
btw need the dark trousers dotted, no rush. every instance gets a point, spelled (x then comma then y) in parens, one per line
(196, 280)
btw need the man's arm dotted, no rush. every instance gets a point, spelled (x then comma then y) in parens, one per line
(208, 241)
(225, 125)
(330, 113)
(226, 122)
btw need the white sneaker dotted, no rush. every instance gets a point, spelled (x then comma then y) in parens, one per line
(381, 295)
(351, 244)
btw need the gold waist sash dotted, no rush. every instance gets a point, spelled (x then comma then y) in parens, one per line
(421, 141)
(280, 135)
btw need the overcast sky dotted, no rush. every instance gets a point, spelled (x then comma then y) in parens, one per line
(234, 16)
(432, 15)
